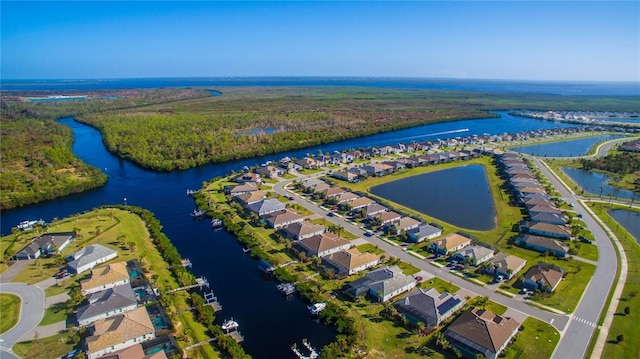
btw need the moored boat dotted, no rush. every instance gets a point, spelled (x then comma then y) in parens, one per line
(230, 324)
(317, 307)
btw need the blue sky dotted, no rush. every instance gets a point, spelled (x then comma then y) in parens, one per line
(536, 40)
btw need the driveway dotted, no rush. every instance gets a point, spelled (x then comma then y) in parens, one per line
(31, 313)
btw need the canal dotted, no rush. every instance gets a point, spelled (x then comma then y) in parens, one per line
(269, 323)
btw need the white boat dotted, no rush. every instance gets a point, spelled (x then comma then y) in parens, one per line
(24, 225)
(198, 213)
(230, 324)
(317, 308)
(216, 223)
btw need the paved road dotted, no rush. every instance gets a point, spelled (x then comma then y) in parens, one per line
(517, 303)
(575, 339)
(31, 313)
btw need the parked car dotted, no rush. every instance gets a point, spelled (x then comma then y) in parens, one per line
(62, 274)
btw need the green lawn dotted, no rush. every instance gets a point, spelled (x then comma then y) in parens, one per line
(368, 247)
(536, 341)
(56, 313)
(45, 348)
(569, 292)
(627, 325)
(440, 285)
(9, 311)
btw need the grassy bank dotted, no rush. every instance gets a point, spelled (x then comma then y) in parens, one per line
(9, 311)
(624, 324)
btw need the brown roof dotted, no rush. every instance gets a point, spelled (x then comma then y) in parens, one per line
(451, 241)
(251, 197)
(323, 242)
(134, 352)
(334, 191)
(547, 276)
(387, 216)
(484, 328)
(120, 328)
(347, 196)
(302, 228)
(353, 258)
(506, 262)
(110, 273)
(361, 202)
(283, 217)
(406, 222)
(548, 227)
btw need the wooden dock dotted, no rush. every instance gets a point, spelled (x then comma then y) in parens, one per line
(200, 282)
(236, 336)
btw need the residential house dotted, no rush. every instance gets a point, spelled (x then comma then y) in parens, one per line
(346, 176)
(505, 265)
(323, 244)
(265, 207)
(277, 220)
(302, 230)
(374, 209)
(134, 352)
(351, 261)
(548, 218)
(474, 254)
(50, 243)
(544, 277)
(361, 202)
(382, 284)
(310, 184)
(105, 277)
(450, 243)
(107, 303)
(546, 229)
(544, 209)
(89, 257)
(424, 232)
(346, 197)
(542, 244)
(119, 332)
(334, 191)
(271, 172)
(308, 163)
(405, 224)
(429, 307)
(478, 331)
(250, 197)
(385, 217)
(243, 188)
(248, 177)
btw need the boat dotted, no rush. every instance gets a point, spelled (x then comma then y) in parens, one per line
(25, 225)
(317, 308)
(230, 324)
(197, 213)
(186, 263)
(215, 223)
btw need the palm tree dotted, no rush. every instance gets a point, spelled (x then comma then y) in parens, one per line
(420, 328)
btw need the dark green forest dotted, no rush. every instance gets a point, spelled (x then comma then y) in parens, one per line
(178, 128)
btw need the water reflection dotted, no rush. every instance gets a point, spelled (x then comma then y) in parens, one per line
(629, 220)
(570, 148)
(597, 183)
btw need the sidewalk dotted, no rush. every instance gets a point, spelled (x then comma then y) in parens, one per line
(13, 271)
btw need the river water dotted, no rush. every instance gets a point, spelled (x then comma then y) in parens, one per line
(269, 323)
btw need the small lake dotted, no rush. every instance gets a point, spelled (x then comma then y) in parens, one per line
(629, 220)
(459, 196)
(592, 182)
(564, 148)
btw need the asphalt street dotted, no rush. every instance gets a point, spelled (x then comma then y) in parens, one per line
(31, 313)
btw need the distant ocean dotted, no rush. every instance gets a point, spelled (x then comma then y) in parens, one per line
(549, 87)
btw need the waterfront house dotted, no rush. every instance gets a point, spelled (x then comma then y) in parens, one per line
(361, 202)
(548, 218)
(249, 198)
(107, 303)
(374, 209)
(89, 257)
(546, 229)
(277, 220)
(105, 277)
(450, 243)
(346, 197)
(119, 332)
(544, 277)
(334, 191)
(474, 254)
(265, 207)
(248, 177)
(243, 188)
(542, 244)
(429, 307)
(270, 172)
(423, 232)
(134, 352)
(48, 244)
(302, 230)
(505, 265)
(308, 163)
(351, 261)
(386, 217)
(382, 284)
(405, 224)
(323, 244)
(478, 331)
